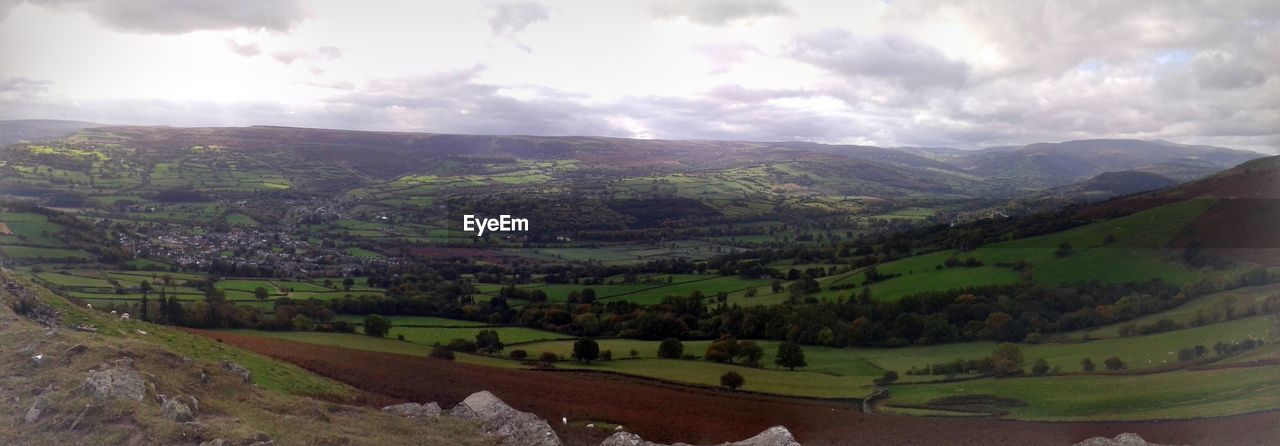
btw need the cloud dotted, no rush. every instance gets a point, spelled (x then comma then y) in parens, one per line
(19, 85)
(323, 53)
(1221, 72)
(250, 49)
(511, 18)
(184, 16)
(719, 12)
(892, 57)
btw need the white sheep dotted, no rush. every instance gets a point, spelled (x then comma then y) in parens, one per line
(619, 428)
(90, 306)
(564, 420)
(591, 425)
(113, 311)
(124, 316)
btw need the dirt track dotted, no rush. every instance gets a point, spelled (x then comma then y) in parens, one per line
(667, 413)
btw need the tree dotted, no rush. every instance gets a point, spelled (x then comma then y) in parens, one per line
(1006, 360)
(750, 353)
(732, 380)
(1063, 250)
(1114, 364)
(347, 283)
(145, 287)
(586, 350)
(1088, 365)
(721, 350)
(790, 355)
(518, 354)
(261, 293)
(671, 348)
(487, 341)
(376, 326)
(1040, 367)
(302, 323)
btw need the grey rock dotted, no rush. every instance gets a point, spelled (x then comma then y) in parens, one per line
(175, 410)
(37, 408)
(514, 427)
(215, 442)
(120, 381)
(239, 370)
(1125, 439)
(265, 443)
(774, 436)
(414, 410)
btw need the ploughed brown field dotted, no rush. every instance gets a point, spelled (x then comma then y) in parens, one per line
(668, 413)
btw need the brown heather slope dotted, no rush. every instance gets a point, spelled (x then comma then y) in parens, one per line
(1245, 223)
(666, 413)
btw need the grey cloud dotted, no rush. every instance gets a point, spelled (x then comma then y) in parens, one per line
(183, 16)
(719, 12)
(508, 19)
(247, 50)
(895, 58)
(19, 85)
(1220, 72)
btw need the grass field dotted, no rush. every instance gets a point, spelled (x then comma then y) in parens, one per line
(1136, 255)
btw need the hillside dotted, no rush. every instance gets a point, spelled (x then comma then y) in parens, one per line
(113, 385)
(38, 129)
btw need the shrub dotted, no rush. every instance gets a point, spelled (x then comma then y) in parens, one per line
(732, 380)
(1088, 365)
(1113, 363)
(462, 345)
(889, 377)
(518, 354)
(439, 352)
(1040, 367)
(548, 358)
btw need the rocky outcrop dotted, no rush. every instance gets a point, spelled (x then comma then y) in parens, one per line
(118, 381)
(514, 427)
(174, 409)
(1125, 439)
(774, 436)
(414, 410)
(244, 374)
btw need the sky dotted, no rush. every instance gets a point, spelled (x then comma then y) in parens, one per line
(889, 73)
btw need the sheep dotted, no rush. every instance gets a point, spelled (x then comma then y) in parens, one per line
(90, 306)
(124, 316)
(564, 420)
(619, 428)
(591, 425)
(113, 311)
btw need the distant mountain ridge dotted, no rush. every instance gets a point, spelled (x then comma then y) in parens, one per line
(1037, 166)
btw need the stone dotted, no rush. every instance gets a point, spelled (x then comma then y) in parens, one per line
(239, 370)
(37, 408)
(414, 410)
(1125, 439)
(774, 436)
(120, 381)
(514, 427)
(215, 442)
(175, 410)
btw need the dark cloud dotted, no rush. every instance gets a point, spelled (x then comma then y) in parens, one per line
(508, 19)
(719, 12)
(183, 16)
(1220, 72)
(894, 58)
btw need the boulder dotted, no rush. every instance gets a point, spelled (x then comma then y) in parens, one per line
(37, 408)
(1125, 439)
(514, 427)
(119, 381)
(175, 410)
(774, 436)
(414, 410)
(239, 370)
